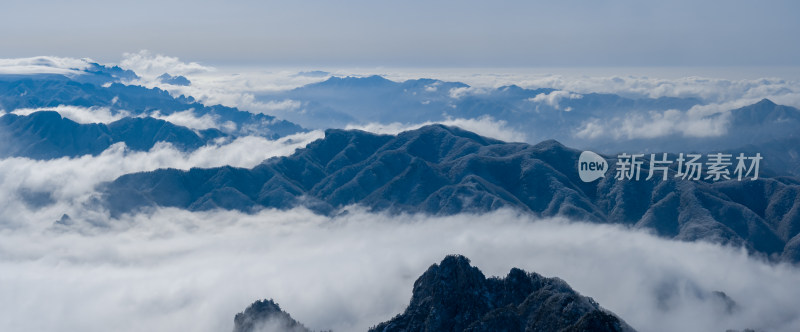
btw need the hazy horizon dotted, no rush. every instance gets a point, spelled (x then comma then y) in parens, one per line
(414, 33)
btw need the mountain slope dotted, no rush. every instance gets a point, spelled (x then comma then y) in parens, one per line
(46, 135)
(447, 170)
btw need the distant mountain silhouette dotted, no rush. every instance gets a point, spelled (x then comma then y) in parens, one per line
(759, 124)
(763, 112)
(763, 122)
(447, 170)
(783, 155)
(559, 115)
(46, 135)
(47, 90)
(453, 296)
(98, 74)
(174, 80)
(339, 101)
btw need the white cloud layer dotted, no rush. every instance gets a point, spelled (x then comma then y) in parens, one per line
(79, 114)
(177, 270)
(70, 182)
(710, 120)
(235, 87)
(238, 86)
(552, 99)
(189, 119)
(484, 126)
(276, 107)
(713, 85)
(43, 65)
(458, 93)
(713, 90)
(150, 65)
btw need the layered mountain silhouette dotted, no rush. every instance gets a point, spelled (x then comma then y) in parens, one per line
(46, 135)
(98, 74)
(102, 89)
(763, 124)
(455, 296)
(541, 113)
(339, 101)
(446, 170)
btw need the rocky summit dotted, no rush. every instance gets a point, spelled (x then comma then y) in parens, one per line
(455, 296)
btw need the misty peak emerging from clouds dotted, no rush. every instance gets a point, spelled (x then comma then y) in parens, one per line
(266, 316)
(174, 80)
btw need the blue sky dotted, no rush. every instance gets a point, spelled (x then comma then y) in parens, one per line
(413, 33)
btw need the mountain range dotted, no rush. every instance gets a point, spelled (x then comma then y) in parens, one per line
(100, 89)
(445, 170)
(47, 135)
(339, 101)
(539, 113)
(544, 113)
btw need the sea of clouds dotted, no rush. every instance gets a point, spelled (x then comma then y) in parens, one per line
(170, 269)
(173, 270)
(739, 87)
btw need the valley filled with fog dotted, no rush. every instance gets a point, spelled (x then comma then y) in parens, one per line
(171, 269)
